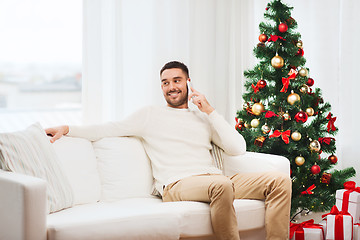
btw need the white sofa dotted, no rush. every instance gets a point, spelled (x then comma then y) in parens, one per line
(112, 182)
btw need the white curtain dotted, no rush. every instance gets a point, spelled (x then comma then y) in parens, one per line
(126, 42)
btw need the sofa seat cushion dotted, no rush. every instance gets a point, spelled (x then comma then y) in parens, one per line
(195, 216)
(133, 218)
(146, 218)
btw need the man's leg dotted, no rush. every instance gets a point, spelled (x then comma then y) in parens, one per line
(275, 189)
(217, 190)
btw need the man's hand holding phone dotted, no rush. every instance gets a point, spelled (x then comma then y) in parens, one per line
(200, 101)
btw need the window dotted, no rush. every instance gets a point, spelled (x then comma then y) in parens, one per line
(40, 62)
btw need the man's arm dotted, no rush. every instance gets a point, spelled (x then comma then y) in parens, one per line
(223, 135)
(130, 126)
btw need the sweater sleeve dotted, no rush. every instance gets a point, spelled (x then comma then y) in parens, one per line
(225, 136)
(133, 125)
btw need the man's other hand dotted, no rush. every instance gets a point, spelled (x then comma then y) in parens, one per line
(200, 101)
(57, 132)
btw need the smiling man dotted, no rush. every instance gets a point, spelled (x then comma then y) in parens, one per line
(178, 142)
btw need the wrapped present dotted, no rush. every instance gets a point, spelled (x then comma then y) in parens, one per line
(356, 231)
(306, 230)
(348, 200)
(339, 225)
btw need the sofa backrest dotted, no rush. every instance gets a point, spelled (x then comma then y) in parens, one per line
(107, 170)
(79, 163)
(124, 168)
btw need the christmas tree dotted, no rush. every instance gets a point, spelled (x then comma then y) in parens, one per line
(284, 114)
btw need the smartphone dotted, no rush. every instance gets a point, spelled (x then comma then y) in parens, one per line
(189, 85)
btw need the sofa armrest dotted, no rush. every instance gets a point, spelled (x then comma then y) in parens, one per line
(255, 162)
(23, 207)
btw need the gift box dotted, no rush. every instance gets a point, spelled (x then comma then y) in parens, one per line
(356, 232)
(348, 200)
(306, 231)
(339, 225)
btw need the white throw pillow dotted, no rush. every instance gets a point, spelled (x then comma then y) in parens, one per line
(124, 168)
(30, 152)
(79, 164)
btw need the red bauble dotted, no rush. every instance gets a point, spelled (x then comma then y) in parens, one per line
(315, 169)
(262, 83)
(263, 38)
(301, 117)
(283, 27)
(300, 52)
(333, 159)
(310, 82)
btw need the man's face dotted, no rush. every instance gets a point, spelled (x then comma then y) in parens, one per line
(174, 87)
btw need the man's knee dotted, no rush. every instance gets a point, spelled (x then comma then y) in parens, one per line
(281, 181)
(221, 186)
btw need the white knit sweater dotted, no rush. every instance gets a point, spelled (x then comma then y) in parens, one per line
(177, 141)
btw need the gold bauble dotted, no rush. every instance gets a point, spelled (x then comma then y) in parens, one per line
(293, 98)
(286, 116)
(315, 146)
(257, 108)
(299, 160)
(310, 111)
(255, 123)
(277, 62)
(296, 136)
(299, 44)
(303, 72)
(265, 128)
(247, 125)
(305, 88)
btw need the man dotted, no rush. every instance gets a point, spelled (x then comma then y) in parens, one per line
(178, 142)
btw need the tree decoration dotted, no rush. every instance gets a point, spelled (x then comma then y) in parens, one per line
(293, 98)
(283, 27)
(286, 116)
(310, 111)
(284, 135)
(263, 38)
(255, 123)
(331, 122)
(310, 82)
(299, 44)
(257, 108)
(239, 124)
(304, 88)
(333, 159)
(265, 128)
(281, 130)
(299, 160)
(315, 169)
(300, 52)
(262, 83)
(303, 72)
(326, 140)
(301, 117)
(286, 81)
(296, 136)
(325, 178)
(309, 190)
(277, 62)
(315, 146)
(259, 141)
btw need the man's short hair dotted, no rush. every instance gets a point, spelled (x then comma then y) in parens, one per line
(175, 64)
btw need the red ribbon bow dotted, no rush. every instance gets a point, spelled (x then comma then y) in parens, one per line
(350, 186)
(339, 224)
(326, 140)
(286, 81)
(270, 114)
(284, 135)
(331, 125)
(255, 88)
(298, 229)
(274, 38)
(309, 190)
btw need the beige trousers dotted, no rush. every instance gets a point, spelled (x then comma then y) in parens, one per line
(220, 191)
